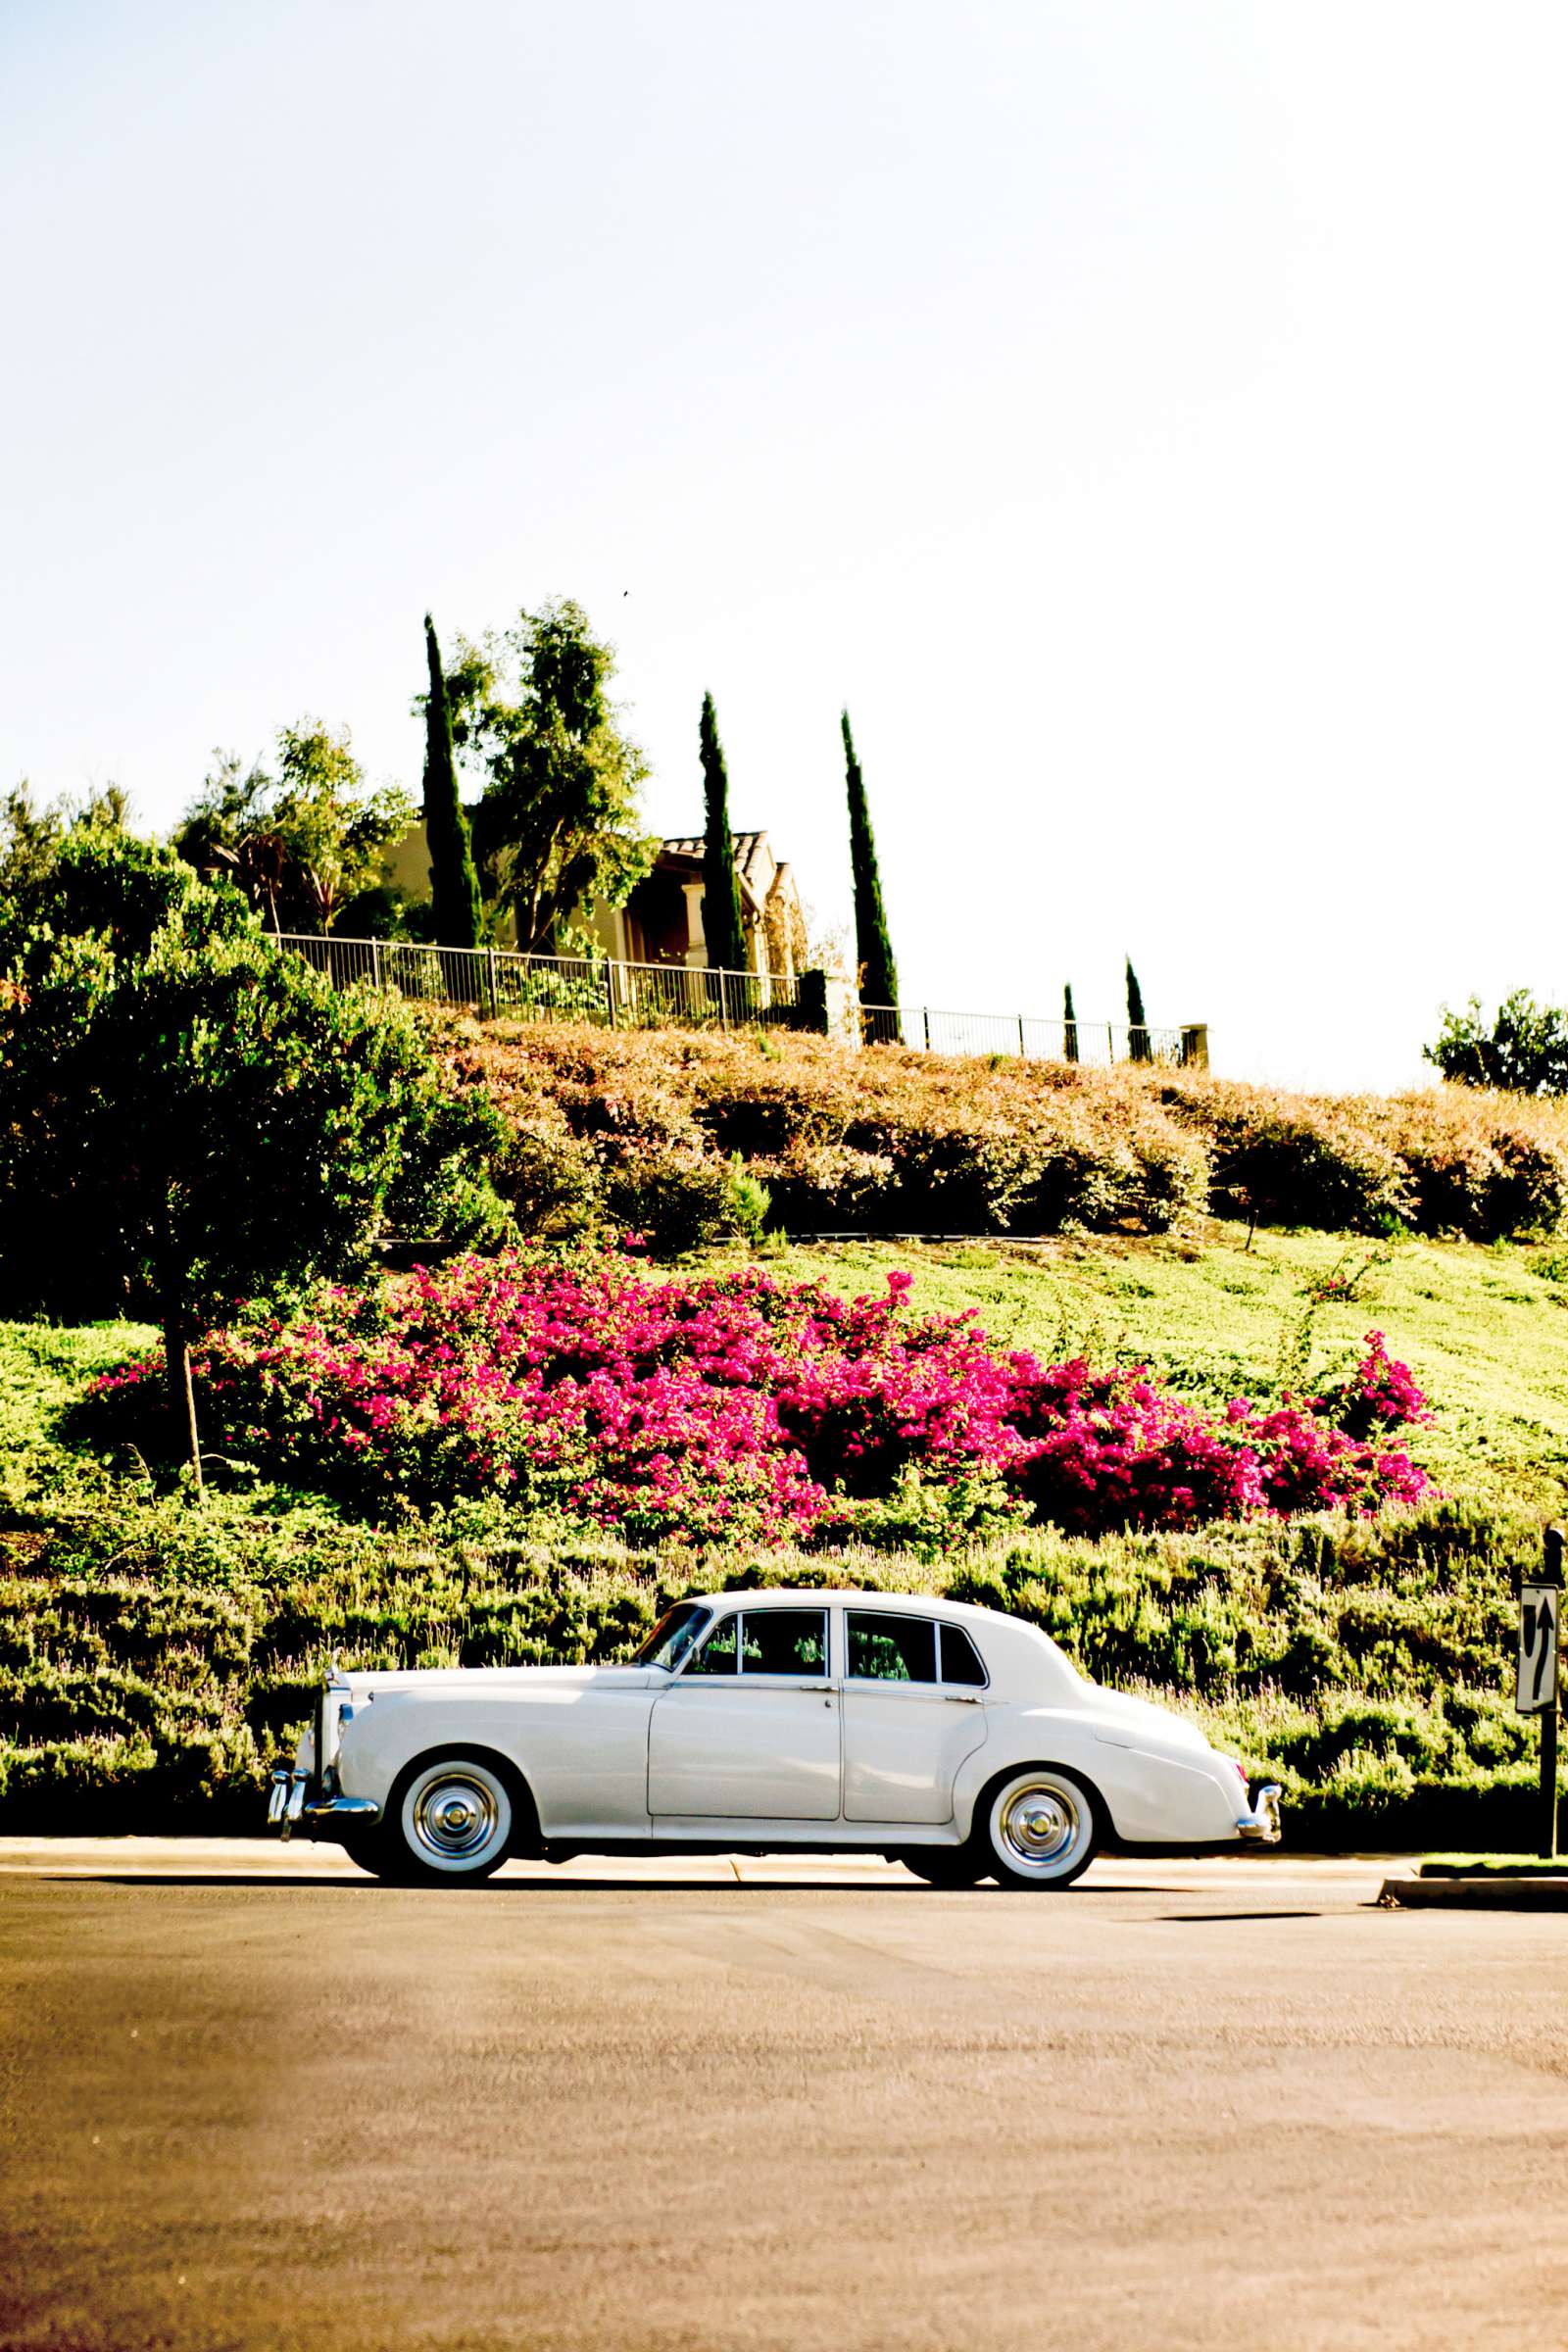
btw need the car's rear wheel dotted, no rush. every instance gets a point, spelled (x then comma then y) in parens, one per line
(943, 1865)
(449, 1824)
(1038, 1829)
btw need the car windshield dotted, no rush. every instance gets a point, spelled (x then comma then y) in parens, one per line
(673, 1636)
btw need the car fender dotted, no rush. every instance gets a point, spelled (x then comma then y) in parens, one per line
(1152, 1794)
(582, 1752)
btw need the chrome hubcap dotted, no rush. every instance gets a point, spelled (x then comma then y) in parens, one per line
(1040, 1826)
(455, 1817)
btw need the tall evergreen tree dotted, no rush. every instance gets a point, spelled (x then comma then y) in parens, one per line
(722, 891)
(458, 916)
(879, 974)
(1069, 1025)
(1138, 1046)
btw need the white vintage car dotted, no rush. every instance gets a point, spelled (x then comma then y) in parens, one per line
(956, 1741)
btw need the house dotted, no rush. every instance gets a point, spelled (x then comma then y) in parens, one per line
(661, 921)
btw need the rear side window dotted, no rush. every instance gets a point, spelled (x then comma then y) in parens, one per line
(884, 1648)
(960, 1660)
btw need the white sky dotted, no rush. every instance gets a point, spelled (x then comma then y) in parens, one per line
(1149, 418)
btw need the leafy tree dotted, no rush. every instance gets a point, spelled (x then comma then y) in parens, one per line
(722, 927)
(1069, 1025)
(302, 842)
(1139, 1046)
(558, 824)
(31, 835)
(230, 828)
(189, 1118)
(1524, 1052)
(879, 978)
(457, 917)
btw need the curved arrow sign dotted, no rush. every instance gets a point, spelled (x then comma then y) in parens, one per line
(1539, 1614)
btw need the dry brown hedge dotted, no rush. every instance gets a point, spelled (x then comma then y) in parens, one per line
(648, 1127)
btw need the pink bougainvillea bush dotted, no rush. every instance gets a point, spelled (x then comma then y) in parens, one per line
(740, 1407)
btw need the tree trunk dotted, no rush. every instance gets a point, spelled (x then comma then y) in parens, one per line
(182, 1396)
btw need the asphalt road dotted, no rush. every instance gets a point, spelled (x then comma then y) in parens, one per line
(252, 2100)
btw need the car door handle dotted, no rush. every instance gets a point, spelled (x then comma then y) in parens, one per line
(961, 1698)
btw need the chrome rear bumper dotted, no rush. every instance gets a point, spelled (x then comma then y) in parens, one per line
(1260, 1823)
(290, 1800)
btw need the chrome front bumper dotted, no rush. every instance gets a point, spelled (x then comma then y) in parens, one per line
(1261, 1825)
(291, 1801)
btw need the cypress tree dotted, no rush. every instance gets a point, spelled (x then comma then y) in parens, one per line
(1069, 1025)
(879, 975)
(454, 883)
(1138, 1049)
(722, 927)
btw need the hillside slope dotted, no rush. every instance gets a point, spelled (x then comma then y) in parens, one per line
(646, 1129)
(1485, 1330)
(152, 1658)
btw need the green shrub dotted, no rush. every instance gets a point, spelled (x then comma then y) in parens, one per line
(677, 1197)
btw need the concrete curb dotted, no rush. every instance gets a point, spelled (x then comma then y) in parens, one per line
(1499, 1894)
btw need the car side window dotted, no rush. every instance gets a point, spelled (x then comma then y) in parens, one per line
(718, 1653)
(884, 1648)
(960, 1660)
(784, 1642)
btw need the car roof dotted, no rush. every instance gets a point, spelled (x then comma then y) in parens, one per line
(783, 1596)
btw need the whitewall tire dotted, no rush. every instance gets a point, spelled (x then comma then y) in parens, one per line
(1039, 1829)
(453, 1823)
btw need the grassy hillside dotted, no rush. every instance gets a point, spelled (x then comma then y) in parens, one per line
(153, 1658)
(1483, 1329)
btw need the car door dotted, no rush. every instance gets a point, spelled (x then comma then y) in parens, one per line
(749, 1729)
(907, 1729)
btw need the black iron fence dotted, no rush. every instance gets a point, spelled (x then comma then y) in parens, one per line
(663, 996)
(928, 1029)
(557, 988)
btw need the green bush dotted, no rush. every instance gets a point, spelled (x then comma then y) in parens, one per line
(677, 1197)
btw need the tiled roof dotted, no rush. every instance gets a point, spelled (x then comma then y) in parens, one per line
(743, 845)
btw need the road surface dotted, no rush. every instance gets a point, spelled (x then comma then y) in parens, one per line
(251, 2101)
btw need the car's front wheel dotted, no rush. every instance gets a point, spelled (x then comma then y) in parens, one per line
(1038, 1829)
(449, 1824)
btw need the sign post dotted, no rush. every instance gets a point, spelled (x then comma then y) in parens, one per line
(1540, 1603)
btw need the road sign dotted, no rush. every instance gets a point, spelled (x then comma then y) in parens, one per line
(1540, 1615)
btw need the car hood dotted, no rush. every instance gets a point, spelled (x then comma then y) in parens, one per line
(487, 1681)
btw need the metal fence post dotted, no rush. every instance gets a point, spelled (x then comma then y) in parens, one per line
(1550, 1576)
(925, 1024)
(723, 998)
(610, 995)
(1022, 1053)
(375, 965)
